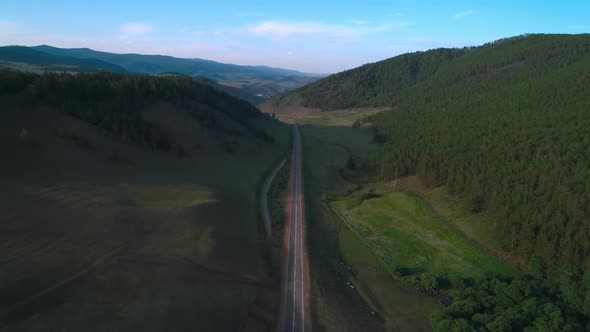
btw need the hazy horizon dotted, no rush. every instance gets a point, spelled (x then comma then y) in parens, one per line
(310, 37)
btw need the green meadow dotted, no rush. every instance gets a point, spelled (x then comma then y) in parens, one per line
(410, 238)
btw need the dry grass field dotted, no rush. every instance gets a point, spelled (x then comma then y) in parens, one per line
(98, 234)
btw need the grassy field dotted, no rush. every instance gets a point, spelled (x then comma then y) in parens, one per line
(401, 310)
(477, 226)
(338, 118)
(288, 109)
(144, 241)
(404, 231)
(335, 306)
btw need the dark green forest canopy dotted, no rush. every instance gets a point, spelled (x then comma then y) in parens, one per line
(506, 126)
(114, 102)
(375, 84)
(384, 83)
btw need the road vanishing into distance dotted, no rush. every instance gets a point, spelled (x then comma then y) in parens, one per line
(295, 296)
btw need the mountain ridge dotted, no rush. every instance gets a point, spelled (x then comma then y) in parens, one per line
(18, 54)
(259, 82)
(119, 58)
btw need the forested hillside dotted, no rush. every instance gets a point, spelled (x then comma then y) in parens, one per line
(375, 84)
(114, 102)
(384, 83)
(504, 126)
(124, 190)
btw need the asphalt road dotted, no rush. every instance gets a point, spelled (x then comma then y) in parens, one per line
(295, 313)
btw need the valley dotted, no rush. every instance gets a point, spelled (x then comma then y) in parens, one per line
(438, 190)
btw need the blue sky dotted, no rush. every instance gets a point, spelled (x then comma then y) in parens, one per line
(313, 36)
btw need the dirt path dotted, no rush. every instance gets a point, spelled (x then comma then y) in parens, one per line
(264, 199)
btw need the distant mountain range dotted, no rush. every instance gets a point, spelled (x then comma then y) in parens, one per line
(157, 64)
(13, 55)
(254, 83)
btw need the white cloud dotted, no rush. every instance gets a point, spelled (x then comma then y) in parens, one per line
(358, 22)
(281, 30)
(136, 28)
(462, 14)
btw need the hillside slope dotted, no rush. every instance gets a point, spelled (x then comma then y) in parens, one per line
(376, 84)
(114, 101)
(129, 203)
(384, 83)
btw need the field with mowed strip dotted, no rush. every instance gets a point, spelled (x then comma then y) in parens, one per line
(409, 237)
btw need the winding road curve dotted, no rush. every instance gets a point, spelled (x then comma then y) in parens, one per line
(295, 299)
